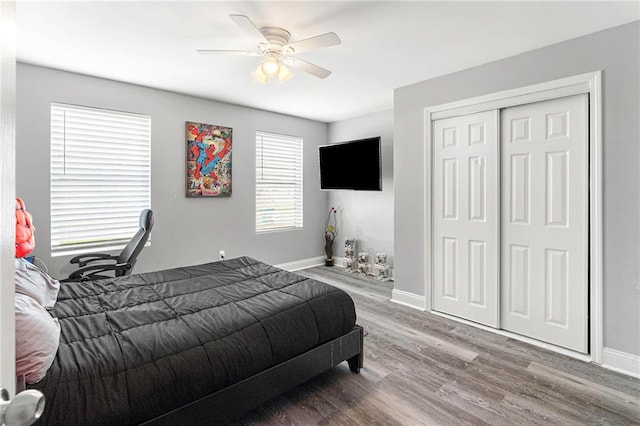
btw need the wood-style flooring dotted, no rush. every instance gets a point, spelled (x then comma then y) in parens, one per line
(423, 369)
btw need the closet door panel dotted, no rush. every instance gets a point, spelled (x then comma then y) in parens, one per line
(544, 221)
(465, 217)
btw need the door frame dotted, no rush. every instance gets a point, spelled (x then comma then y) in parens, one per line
(7, 195)
(588, 83)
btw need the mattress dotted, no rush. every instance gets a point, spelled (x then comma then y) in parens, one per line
(135, 347)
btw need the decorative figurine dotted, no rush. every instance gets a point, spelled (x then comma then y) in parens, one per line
(329, 236)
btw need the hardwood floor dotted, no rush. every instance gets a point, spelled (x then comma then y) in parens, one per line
(423, 369)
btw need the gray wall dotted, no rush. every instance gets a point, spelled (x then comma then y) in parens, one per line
(616, 52)
(187, 230)
(366, 215)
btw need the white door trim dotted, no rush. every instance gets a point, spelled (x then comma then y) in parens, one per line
(7, 195)
(589, 83)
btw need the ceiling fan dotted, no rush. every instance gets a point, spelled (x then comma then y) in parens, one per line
(275, 46)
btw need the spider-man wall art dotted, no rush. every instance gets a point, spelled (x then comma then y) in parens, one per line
(208, 160)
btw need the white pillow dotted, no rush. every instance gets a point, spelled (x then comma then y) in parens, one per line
(37, 339)
(37, 284)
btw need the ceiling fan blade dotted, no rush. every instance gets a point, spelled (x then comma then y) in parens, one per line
(305, 66)
(317, 42)
(248, 26)
(228, 52)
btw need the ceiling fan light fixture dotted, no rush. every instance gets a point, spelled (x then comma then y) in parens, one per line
(258, 75)
(284, 74)
(275, 45)
(270, 67)
(265, 71)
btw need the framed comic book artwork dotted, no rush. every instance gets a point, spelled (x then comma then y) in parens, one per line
(208, 160)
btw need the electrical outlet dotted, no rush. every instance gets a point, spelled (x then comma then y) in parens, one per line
(221, 255)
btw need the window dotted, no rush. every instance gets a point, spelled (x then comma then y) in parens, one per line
(100, 177)
(278, 182)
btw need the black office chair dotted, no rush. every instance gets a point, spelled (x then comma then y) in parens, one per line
(93, 266)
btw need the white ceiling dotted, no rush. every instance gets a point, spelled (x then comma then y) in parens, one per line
(385, 45)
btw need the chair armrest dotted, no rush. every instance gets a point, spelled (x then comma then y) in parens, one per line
(88, 272)
(84, 259)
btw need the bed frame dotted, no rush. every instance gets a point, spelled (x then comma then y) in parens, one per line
(233, 401)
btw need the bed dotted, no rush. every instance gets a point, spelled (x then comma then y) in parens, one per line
(192, 345)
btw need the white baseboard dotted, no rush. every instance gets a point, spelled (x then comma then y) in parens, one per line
(411, 300)
(301, 264)
(622, 362)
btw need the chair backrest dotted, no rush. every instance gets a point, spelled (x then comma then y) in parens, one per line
(130, 252)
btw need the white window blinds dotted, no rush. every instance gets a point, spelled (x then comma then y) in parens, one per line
(278, 182)
(100, 177)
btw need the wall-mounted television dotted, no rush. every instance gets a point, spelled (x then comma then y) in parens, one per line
(354, 165)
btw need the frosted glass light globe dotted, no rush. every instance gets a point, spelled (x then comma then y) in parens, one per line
(270, 67)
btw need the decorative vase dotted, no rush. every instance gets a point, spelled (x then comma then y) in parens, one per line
(328, 249)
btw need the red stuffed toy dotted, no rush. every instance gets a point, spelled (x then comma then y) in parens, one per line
(25, 243)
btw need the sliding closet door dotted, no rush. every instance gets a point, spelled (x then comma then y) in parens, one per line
(465, 217)
(544, 221)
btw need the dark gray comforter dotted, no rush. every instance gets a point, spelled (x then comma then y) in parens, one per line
(135, 347)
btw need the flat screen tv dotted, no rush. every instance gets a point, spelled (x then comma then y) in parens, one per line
(354, 165)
